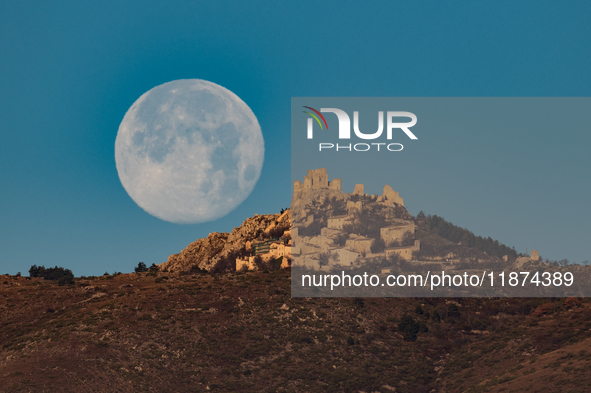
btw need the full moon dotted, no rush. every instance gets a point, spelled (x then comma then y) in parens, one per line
(189, 151)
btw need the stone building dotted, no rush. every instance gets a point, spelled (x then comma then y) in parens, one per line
(246, 263)
(337, 222)
(404, 252)
(360, 244)
(269, 249)
(262, 246)
(279, 249)
(396, 232)
(322, 242)
(345, 257)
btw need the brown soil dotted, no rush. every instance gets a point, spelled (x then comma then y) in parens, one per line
(243, 332)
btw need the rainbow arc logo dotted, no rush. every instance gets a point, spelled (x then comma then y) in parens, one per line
(316, 117)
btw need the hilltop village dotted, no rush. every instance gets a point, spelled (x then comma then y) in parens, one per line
(328, 224)
(326, 228)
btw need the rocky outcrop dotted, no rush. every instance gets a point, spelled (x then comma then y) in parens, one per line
(205, 253)
(197, 254)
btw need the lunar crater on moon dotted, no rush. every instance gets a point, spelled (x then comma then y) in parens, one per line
(189, 151)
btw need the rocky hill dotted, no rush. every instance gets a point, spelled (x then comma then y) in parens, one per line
(205, 253)
(315, 202)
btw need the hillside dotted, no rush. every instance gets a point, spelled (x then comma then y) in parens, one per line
(243, 332)
(336, 230)
(357, 229)
(366, 216)
(207, 252)
(195, 324)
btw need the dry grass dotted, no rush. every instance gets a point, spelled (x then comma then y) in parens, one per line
(233, 333)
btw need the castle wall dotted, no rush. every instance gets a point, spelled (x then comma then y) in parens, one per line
(335, 184)
(391, 197)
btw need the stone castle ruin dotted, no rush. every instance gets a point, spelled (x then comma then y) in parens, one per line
(391, 197)
(317, 179)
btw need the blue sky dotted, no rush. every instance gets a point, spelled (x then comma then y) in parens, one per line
(70, 70)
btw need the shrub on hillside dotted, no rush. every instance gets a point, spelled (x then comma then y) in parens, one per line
(341, 239)
(435, 316)
(63, 276)
(408, 327)
(259, 263)
(313, 229)
(377, 246)
(197, 270)
(453, 311)
(224, 264)
(227, 263)
(141, 267)
(277, 231)
(66, 280)
(275, 264)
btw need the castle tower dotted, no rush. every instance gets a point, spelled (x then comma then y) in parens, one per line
(320, 178)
